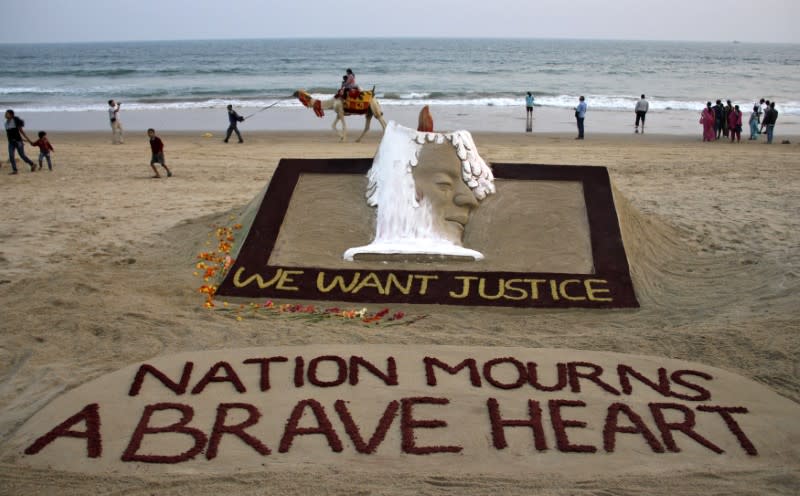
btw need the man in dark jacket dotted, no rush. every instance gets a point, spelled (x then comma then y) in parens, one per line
(770, 117)
(233, 119)
(15, 134)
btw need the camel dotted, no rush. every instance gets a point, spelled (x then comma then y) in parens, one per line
(357, 103)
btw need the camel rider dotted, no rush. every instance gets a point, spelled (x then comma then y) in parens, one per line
(348, 83)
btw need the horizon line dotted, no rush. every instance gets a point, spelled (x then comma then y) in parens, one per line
(333, 37)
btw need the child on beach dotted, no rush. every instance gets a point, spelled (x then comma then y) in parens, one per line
(157, 147)
(44, 149)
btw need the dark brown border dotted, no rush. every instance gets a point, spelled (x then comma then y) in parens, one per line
(608, 252)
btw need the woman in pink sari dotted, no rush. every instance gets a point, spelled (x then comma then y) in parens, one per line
(707, 120)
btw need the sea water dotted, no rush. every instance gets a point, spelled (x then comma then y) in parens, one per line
(174, 75)
(479, 84)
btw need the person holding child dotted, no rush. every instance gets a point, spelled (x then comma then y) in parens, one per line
(15, 133)
(157, 147)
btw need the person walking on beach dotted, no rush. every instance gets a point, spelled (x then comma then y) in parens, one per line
(754, 121)
(580, 115)
(116, 124)
(44, 149)
(708, 120)
(770, 117)
(735, 124)
(15, 133)
(157, 147)
(529, 112)
(642, 106)
(233, 120)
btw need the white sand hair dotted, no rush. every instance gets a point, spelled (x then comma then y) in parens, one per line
(400, 150)
(391, 185)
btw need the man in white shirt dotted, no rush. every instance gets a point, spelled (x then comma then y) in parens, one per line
(641, 110)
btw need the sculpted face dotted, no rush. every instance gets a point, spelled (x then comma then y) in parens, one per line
(439, 184)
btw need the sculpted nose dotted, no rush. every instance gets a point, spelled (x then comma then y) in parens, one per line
(464, 197)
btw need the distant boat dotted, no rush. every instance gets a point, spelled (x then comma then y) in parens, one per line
(736, 42)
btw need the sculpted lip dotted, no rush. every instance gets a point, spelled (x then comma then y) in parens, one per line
(457, 222)
(459, 219)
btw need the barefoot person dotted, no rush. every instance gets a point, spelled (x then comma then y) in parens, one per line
(157, 147)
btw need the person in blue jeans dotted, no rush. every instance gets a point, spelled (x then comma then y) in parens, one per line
(15, 134)
(770, 117)
(580, 115)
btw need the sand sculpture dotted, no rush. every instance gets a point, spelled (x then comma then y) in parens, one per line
(424, 186)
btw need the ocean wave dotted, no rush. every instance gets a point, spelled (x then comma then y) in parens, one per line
(80, 73)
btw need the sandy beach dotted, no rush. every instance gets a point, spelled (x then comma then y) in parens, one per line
(96, 273)
(474, 118)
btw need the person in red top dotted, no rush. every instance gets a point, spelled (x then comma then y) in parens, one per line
(735, 124)
(157, 147)
(44, 149)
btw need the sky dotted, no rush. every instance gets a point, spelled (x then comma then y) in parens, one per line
(59, 21)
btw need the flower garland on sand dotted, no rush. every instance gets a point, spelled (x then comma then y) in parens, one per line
(214, 264)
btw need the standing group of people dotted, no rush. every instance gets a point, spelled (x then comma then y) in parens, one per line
(719, 121)
(725, 121)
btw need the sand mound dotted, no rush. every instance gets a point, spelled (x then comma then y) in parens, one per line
(672, 271)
